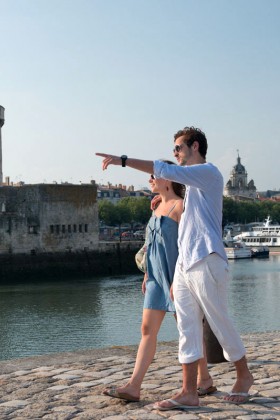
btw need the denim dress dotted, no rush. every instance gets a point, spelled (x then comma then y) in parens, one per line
(162, 253)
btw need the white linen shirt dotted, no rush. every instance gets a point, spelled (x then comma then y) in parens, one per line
(200, 227)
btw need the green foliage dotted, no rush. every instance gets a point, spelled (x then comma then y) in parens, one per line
(249, 211)
(127, 210)
(140, 209)
(124, 211)
(108, 213)
(137, 210)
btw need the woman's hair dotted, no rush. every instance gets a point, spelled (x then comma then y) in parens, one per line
(179, 189)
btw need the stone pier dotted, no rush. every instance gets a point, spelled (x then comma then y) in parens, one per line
(69, 385)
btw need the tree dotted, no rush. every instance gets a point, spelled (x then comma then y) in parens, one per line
(140, 209)
(127, 210)
(275, 212)
(135, 209)
(230, 211)
(124, 210)
(108, 214)
(249, 211)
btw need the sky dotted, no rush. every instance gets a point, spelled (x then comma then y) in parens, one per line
(122, 76)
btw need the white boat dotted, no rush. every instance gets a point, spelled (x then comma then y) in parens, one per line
(264, 235)
(236, 249)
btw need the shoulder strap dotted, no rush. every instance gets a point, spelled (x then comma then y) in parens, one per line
(172, 208)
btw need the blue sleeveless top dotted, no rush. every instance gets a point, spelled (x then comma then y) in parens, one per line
(162, 254)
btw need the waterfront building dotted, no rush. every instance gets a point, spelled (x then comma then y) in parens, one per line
(114, 193)
(43, 218)
(237, 187)
(269, 195)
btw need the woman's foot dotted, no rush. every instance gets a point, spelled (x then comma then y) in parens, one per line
(205, 386)
(126, 392)
(204, 383)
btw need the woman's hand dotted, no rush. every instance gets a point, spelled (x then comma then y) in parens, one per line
(144, 283)
(171, 293)
(109, 160)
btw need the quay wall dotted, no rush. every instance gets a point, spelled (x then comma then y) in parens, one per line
(111, 258)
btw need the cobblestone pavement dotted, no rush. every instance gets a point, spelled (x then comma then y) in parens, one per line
(69, 385)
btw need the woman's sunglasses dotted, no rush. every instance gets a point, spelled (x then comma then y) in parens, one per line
(152, 176)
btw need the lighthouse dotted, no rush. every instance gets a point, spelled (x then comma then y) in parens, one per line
(2, 120)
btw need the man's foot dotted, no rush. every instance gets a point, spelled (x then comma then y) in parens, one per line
(170, 404)
(180, 401)
(237, 397)
(239, 393)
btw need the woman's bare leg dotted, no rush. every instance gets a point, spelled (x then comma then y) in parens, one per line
(151, 322)
(204, 379)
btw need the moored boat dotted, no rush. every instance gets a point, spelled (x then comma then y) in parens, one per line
(236, 249)
(265, 235)
(260, 252)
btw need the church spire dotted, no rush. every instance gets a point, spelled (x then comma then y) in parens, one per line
(238, 157)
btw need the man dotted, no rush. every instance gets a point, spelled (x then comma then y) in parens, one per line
(201, 273)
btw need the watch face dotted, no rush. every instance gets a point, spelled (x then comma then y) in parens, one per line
(123, 158)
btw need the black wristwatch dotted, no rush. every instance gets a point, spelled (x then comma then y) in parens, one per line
(123, 158)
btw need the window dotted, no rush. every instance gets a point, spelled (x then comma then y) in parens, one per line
(69, 228)
(33, 229)
(63, 228)
(80, 228)
(86, 228)
(74, 228)
(57, 228)
(51, 228)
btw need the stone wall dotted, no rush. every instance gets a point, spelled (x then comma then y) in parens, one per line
(45, 218)
(53, 231)
(108, 260)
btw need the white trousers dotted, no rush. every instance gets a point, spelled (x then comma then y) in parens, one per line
(202, 290)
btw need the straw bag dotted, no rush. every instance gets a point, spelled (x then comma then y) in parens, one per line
(140, 258)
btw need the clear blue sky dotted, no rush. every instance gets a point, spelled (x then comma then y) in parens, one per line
(122, 76)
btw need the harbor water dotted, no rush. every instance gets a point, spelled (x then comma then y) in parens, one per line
(43, 317)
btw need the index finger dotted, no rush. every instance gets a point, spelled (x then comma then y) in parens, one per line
(102, 154)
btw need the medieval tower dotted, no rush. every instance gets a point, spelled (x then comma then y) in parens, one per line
(2, 120)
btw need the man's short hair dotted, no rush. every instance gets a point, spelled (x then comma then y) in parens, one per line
(192, 134)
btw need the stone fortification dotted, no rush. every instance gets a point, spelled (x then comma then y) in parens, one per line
(42, 218)
(53, 231)
(108, 260)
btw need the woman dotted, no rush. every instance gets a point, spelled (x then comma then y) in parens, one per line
(162, 253)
